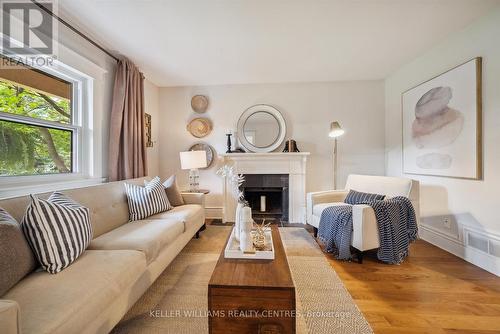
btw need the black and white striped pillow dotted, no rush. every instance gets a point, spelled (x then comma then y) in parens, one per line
(357, 197)
(146, 201)
(58, 230)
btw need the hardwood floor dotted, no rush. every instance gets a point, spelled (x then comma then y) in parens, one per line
(431, 292)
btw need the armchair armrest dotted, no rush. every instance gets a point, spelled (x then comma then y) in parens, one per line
(194, 198)
(329, 196)
(10, 321)
(365, 235)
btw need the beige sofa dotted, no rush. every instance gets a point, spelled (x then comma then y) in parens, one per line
(122, 261)
(365, 235)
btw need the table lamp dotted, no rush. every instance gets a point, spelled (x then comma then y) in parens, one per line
(193, 160)
(335, 132)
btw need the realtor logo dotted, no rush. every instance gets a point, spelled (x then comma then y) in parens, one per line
(27, 29)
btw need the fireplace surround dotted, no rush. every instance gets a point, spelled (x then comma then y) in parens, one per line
(272, 168)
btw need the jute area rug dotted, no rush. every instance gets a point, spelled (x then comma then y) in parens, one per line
(177, 301)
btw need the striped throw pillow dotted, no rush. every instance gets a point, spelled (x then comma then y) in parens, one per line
(357, 197)
(58, 230)
(146, 201)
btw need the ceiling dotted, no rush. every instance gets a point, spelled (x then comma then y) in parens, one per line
(214, 42)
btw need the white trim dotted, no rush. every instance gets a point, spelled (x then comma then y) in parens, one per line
(48, 187)
(459, 248)
(214, 212)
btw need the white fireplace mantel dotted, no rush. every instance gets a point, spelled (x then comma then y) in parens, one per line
(293, 164)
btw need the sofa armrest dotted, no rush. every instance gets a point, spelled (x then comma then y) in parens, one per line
(194, 198)
(330, 196)
(365, 235)
(10, 321)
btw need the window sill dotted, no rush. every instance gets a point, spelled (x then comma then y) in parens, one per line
(17, 186)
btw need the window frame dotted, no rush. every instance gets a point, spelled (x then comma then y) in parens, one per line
(80, 126)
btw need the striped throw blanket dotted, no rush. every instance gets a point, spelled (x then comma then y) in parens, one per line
(397, 228)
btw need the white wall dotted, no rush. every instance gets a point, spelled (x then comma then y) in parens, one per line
(151, 106)
(308, 109)
(103, 95)
(466, 202)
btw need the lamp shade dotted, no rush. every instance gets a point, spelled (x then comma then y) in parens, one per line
(193, 159)
(335, 130)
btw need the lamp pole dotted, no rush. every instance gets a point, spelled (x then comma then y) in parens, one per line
(335, 164)
(335, 132)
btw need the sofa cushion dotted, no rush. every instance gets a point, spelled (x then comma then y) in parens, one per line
(65, 302)
(58, 230)
(107, 203)
(188, 214)
(146, 201)
(16, 257)
(147, 236)
(358, 197)
(173, 193)
(318, 208)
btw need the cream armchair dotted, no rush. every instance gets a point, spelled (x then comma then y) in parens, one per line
(365, 230)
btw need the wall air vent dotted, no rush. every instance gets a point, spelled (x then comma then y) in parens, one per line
(477, 241)
(495, 248)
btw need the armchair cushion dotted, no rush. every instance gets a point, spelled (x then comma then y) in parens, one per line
(318, 208)
(358, 197)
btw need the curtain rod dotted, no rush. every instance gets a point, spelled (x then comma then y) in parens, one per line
(88, 39)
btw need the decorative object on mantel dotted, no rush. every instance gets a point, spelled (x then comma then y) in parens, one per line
(229, 133)
(147, 125)
(199, 103)
(261, 128)
(208, 150)
(442, 124)
(291, 146)
(335, 132)
(200, 127)
(193, 160)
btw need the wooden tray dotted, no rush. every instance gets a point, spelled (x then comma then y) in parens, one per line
(232, 250)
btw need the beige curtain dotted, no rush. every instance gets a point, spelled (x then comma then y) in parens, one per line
(127, 145)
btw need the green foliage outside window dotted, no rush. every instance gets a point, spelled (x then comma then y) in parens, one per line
(32, 149)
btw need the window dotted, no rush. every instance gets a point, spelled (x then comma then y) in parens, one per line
(38, 132)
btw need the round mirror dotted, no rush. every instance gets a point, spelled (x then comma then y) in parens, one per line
(261, 128)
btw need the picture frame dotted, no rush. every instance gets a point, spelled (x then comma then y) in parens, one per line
(147, 125)
(442, 124)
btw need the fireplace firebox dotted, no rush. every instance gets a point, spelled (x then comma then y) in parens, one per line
(267, 195)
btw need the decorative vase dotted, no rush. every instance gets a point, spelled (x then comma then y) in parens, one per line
(237, 220)
(246, 223)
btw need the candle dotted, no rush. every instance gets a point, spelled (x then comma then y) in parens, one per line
(229, 131)
(262, 203)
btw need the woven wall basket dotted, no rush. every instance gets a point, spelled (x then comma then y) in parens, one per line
(199, 103)
(200, 127)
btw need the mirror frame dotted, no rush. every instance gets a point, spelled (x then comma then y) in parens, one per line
(247, 114)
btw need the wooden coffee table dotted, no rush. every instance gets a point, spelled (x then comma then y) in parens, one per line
(252, 296)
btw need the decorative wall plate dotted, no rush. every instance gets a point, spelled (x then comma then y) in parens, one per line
(200, 127)
(208, 149)
(199, 103)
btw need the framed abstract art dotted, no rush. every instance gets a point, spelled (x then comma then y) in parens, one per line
(442, 127)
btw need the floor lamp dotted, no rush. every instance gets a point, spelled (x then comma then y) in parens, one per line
(335, 132)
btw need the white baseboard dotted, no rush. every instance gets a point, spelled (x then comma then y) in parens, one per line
(213, 212)
(462, 249)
